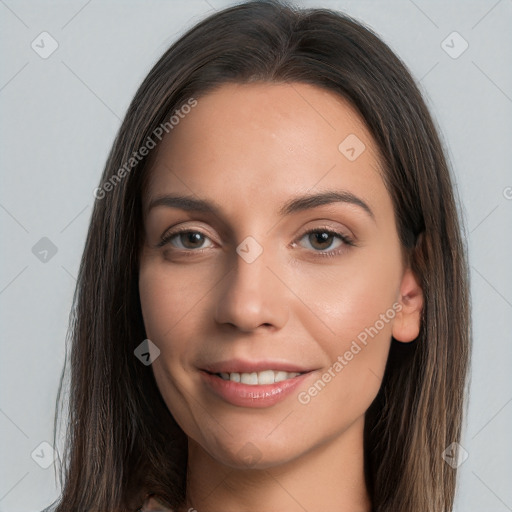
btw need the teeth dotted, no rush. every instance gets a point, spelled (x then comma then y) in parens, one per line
(259, 378)
(279, 376)
(249, 378)
(266, 377)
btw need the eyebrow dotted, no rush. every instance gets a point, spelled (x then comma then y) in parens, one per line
(294, 205)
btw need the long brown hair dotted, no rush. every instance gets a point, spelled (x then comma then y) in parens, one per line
(122, 442)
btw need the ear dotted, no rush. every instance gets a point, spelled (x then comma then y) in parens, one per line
(406, 325)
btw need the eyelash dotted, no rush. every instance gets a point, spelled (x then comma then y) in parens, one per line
(347, 241)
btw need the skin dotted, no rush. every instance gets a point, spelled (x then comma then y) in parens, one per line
(250, 148)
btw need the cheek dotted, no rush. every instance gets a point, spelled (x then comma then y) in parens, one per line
(354, 309)
(168, 299)
(349, 298)
(170, 309)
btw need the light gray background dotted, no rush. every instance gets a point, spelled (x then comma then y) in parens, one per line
(58, 119)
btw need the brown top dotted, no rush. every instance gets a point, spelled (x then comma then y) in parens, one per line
(153, 504)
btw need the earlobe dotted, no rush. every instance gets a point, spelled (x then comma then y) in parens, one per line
(406, 326)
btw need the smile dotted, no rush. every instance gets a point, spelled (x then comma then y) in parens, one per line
(258, 378)
(253, 389)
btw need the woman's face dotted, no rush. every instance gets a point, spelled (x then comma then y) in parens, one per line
(271, 257)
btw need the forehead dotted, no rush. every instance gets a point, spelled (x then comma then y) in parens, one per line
(261, 141)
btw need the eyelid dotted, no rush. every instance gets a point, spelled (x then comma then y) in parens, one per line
(329, 229)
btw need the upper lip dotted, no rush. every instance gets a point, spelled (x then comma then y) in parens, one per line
(244, 366)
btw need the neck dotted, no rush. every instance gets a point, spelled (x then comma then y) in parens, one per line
(328, 477)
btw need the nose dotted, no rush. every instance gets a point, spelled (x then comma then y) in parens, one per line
(252, 296)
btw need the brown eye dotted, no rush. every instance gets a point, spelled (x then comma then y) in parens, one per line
(191, 239)
(325, 242)
(320, 240)
(186, 240)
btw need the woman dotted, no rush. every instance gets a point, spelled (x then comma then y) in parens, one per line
(272, 305)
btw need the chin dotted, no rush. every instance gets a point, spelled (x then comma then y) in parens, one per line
(250, 451)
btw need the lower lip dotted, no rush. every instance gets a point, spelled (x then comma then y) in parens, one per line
(245, 395)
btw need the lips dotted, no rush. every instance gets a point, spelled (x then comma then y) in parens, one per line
(253, 384)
